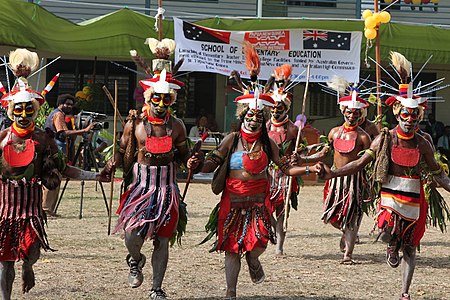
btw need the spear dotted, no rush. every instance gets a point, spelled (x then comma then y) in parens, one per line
(113, 156)
(195, 149)
(287, 205)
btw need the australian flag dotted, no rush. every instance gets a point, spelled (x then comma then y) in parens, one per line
(329, 40)
(197, 33)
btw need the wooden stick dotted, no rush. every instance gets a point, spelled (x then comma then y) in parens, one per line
(111, 100)
(287, 205)
(113, 156)
(378, 71)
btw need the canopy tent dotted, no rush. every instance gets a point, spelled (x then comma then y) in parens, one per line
(28, 25)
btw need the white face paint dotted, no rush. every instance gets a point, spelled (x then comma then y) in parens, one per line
(352, 116)
(253, 120)
(408, 119)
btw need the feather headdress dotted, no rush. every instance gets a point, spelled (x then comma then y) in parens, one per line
(347, 94)
(23, 62)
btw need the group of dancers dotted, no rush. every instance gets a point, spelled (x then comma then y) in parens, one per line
(262, 159)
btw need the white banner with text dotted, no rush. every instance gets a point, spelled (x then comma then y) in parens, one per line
(218, 51)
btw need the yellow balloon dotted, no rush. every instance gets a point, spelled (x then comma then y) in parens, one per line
(435, 1)
(370, 22)
(416, 2)
(388, 1)
(370, 33)
(367, 13)
(376, 17)
(385, 17)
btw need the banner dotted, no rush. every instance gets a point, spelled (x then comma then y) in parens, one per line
(217, 51)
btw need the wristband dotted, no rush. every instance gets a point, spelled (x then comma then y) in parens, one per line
(307, 171)
(87, 175)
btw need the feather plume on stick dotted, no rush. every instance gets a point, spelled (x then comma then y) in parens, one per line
(402, 65)
(339, 84)
(252, 60)
(23, 62)
(140, 62)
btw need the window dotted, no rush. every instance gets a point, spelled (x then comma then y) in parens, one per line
(323, 3)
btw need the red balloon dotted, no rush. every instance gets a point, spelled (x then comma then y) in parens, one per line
(425, 1)
(408, 1)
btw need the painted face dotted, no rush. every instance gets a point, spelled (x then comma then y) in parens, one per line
(67, 107)
(352, 116)
(23, 114)
(160, 104)
(253, 120)
(408, 119)
(278, 112)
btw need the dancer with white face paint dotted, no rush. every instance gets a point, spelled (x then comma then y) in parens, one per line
(243, 216)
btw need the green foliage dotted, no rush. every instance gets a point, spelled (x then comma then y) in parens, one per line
(43, 113)
(211, 227)
(181, 226)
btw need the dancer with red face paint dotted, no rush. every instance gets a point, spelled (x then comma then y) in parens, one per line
(397, 153)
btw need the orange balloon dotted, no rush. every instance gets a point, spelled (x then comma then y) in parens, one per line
(370, 33)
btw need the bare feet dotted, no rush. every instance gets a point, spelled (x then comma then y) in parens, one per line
(348, 261)
(27, 278)
(342, 243)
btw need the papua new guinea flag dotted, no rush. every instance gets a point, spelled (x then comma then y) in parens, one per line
(327, 40)
(198, 33)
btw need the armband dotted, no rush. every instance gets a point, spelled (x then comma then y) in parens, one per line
(436, 172)
(183, 143)
(307, 171)
(215, 157)
(283, 164)
(371, 153)
(87, 175)
(121, 150)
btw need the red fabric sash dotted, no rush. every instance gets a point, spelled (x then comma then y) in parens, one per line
(19, 159)
(406, 157)
(158, 144)
(246, 187)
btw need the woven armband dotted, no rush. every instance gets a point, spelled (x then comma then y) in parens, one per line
(121, 150)
(371, 153)
(215, 157)
(183, 143)
(284, 164)
(436, 172)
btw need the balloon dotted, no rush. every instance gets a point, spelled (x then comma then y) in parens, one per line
(385, 17)
(407, 1)
(417, 2)
(376, 17)
(370, 33)
(367, 13)
(370, 22)
(388, 1)
(435, 1)
(425, 1)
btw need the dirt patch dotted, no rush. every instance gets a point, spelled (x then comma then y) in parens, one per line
(89, 264)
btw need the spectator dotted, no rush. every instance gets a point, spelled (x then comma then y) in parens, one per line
(443, 144)
(56, 122)
(434, 128)
(200, 127)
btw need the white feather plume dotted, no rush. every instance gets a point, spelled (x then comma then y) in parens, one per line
(24, 58)
(339, 84)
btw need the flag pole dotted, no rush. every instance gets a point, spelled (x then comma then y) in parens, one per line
(378, 70)
(160, 18)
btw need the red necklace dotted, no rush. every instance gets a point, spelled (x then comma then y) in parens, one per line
(249, 136)
(22, 132)
(404, 136)
(349, 128)
(158, 121)
(279, 124)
